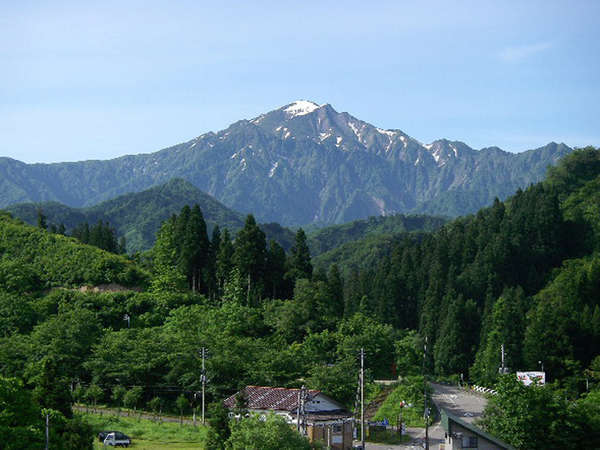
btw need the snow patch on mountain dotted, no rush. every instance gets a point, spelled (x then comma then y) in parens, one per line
(258, 119)
(323, 136)
(380, 205)
(390, 134)
(300, 108)
(273, 169)
(355, 130)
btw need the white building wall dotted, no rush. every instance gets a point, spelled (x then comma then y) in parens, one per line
(321, 403)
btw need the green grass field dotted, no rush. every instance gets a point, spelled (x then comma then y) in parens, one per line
(147, 434)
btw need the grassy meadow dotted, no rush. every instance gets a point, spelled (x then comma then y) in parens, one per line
(147, 434)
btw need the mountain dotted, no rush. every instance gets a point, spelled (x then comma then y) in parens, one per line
(335, 236)
(299, 164)
(137, 216)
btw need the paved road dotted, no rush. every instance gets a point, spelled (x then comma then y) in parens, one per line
(459, 402)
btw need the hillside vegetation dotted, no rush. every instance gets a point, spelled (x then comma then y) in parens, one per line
(328, 238)
(32, 259)
(523, 273)
(135, 216)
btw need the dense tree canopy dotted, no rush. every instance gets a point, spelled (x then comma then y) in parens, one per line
(519, 275)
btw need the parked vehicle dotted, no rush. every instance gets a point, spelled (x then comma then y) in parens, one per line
(117, 439)
(102, 435)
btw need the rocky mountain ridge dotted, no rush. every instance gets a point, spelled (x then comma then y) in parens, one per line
(299, 164)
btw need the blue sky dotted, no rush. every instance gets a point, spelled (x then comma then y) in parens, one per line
(96, 80)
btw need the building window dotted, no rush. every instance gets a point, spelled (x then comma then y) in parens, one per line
(337, 428)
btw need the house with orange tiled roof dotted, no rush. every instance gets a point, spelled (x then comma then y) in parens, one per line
(313, 413)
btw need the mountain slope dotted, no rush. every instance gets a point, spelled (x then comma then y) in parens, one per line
(302, 163)
(334, 236)
(33, 259)
(136, 216)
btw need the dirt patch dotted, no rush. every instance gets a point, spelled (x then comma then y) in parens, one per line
(113, 287)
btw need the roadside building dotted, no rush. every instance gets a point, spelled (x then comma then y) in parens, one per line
(463, 435)
(316, 415)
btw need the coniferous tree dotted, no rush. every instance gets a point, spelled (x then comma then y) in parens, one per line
(276, 285)
(224, 260)
(506, 328)
(167, 276)
(250, 251)
(451, 349)
(211, 268)
(335, 290)
(352, 294)
(122, 245)
(195, 251)
(300, 265)
(41, 220)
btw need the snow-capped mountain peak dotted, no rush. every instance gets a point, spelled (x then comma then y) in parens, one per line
(300, 108)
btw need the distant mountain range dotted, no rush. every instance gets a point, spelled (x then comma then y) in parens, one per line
(138, 216)
(302, 163)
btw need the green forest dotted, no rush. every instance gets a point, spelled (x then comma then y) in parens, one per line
(524, 273)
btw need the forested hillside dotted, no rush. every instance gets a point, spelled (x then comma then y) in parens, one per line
(523, 273)
(328, 238)
(32, 259)
(135, 216)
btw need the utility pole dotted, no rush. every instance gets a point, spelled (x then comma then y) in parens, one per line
(303, 409)
(47, 430)
(503, 368)
(298, 411)
(362, 397)
(203, 380)
(426, 412)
